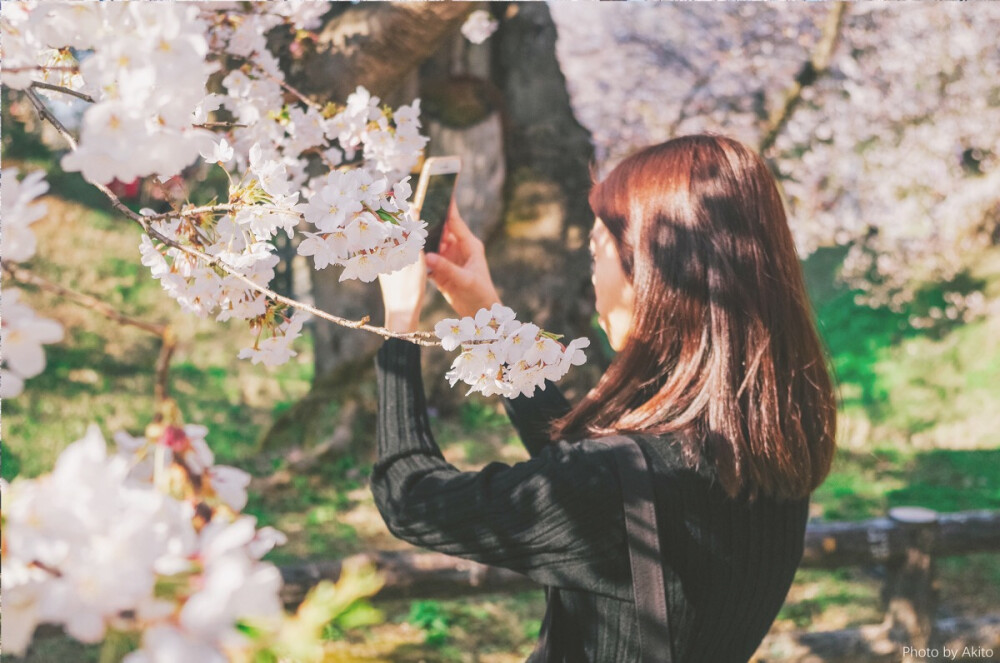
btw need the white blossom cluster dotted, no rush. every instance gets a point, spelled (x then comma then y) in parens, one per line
(146, 72)
(894, 152)
(96, 546)
(361, 226)
(147, 66)
(291, 131)
(239, 239)
(276, 349)
(501, 355)
(22, 335)
(22, 331)
(26, 58)
(478, 27)
(203, 290)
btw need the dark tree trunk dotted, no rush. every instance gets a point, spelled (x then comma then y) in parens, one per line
(538, 254)
(379, 46)
(542, 260)
(504, 107)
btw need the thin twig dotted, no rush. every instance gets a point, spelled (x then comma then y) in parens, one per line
(22, 275)
(701, 81)
(812, 69)
(41, 67)
(168, 341)
(191, 211)
(284, 84)
(220, 125)
(47, 115)
(418, 337)
(167, 347)
(62, 90)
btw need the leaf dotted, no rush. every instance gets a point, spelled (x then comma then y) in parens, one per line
(361, 613)
(385, 216)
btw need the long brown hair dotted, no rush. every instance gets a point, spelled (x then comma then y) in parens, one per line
(723, 351)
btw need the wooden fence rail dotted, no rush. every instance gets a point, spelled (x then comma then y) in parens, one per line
(906, 543)
(879, 540)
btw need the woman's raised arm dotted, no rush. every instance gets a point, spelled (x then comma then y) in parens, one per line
(556, 518)
(531, 415)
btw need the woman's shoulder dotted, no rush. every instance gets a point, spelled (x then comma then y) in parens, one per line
(665, 453)
(587, 462)
(663, 447)
(672, 454)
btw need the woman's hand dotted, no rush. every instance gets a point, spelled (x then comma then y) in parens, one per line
(403, 296)
(459, 269)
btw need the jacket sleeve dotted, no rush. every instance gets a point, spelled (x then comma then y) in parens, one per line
(531, 415)
(556, 518)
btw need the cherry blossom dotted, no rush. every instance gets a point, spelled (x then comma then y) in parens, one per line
(894, 153)
(479, 26)
(98, 539)
(147, 73)
(20, 210)
(229, 484)
(501, 355)
(22, 335)
(277, 349)
(220, 152)
(112, 541)
(22, 331)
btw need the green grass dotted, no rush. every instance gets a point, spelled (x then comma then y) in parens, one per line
(919, 408)
(844, 596)
(103, 372)
(499, 627)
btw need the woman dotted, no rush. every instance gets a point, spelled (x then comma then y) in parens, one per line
(719, 375)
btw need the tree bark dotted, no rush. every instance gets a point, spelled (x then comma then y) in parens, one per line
(540, 259)
(503, 105)
(377, 45)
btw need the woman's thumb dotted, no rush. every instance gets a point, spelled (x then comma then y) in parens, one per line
(443, 271)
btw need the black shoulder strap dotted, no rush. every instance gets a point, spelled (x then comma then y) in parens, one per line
(644, 550)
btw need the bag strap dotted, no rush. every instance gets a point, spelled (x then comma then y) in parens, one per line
(644, 550)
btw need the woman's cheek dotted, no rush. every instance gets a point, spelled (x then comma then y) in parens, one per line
(599, 297)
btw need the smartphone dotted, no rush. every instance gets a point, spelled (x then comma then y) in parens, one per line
(435, 190)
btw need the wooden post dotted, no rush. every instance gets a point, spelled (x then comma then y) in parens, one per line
(909, 593)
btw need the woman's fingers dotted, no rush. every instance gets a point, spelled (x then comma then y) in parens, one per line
(467, 289)
(454, 219)
(448, 276)
(456, 224)
(447, 241)
(453, 248)
(459, 268)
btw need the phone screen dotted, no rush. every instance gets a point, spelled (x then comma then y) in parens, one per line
(434, 209)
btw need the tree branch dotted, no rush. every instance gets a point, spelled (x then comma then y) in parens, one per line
(284, 84)
(41, 67)
(701, 81)
(27, 277)
(191, 211)
(219, 125)
(418, 337)
(167, 346)
(376, 44)
(62, 90)
(811, 71)
(168, 342)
